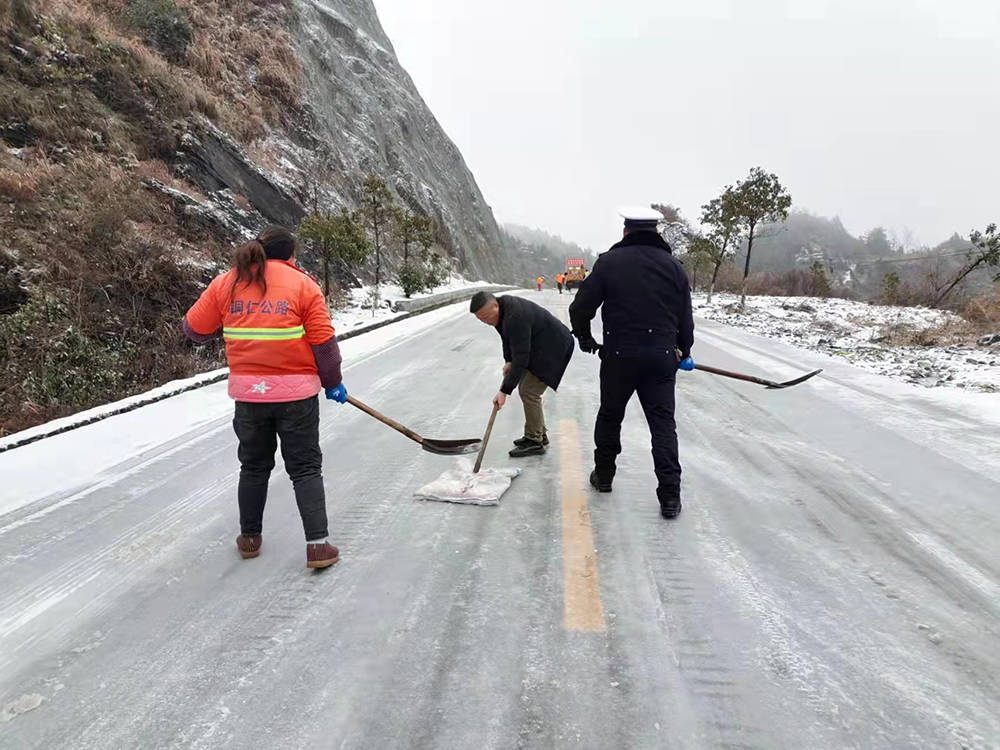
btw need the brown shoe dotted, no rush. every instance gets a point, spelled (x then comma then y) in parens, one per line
(249, 546)
(321, 555)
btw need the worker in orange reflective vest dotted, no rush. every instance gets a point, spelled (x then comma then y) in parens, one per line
(282, 350)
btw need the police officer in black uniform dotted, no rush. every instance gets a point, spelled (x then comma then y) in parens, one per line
(648, 334)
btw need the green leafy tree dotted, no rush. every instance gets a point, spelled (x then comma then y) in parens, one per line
(336, 236)
(377, 208)
(723, 221)
(985, 252)
(760, 199)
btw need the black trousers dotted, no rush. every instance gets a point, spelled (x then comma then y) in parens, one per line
(258, 427)
(653, 375)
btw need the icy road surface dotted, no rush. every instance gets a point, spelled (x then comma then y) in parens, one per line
(833, 581)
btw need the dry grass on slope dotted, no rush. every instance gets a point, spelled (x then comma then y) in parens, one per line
(95, 270)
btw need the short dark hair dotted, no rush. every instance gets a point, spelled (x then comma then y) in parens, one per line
(479, 301)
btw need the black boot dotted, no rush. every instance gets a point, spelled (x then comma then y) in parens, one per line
(598, 483)
(531, 448)
(523, 441)
(670, 503)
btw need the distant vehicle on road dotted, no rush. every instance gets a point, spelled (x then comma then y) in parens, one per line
(576, 272)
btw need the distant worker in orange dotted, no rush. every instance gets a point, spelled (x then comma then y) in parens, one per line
(282, 351)
(539, 281)
(560, 280)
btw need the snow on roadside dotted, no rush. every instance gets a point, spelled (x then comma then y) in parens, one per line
(345, 321)
(79, 461)
(358, 311)
(859, 332)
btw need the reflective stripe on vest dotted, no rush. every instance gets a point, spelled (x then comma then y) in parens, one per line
(264, 334)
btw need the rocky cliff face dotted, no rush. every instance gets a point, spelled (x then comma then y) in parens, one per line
(367, 111)
(140, 138)
(360, 114)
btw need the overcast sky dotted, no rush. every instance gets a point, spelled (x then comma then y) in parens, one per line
(882, 112)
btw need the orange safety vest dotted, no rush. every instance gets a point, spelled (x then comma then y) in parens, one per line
(268, 334)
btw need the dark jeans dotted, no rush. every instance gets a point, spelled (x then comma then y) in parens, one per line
(653, 375)
(258, 427)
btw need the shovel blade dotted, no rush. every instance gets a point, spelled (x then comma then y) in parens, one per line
(451, 447)
(790, 383)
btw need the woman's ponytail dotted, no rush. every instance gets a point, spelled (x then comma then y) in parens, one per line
(250, 263)
(250, 260)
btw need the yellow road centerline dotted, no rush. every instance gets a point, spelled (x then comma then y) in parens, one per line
(583, 610)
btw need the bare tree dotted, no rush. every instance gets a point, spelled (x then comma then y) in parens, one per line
(698, 258)
(377, 208)
(317, 175)
(985, 252)
(670, 212)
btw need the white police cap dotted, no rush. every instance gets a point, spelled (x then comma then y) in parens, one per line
(639, 214)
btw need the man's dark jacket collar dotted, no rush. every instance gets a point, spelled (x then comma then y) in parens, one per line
(648, 239)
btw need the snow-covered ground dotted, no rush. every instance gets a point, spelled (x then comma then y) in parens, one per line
(833, 581)
(358, 311)
(862, 334)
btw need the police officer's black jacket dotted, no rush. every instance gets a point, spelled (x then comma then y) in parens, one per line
(645, 293)
(533, 341)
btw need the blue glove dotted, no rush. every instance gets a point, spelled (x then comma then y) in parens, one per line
(338, 394)
(686, 364)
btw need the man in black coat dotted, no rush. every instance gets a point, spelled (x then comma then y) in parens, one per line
(648, 334)
(536, 350)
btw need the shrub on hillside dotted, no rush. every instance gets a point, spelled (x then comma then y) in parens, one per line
(422, 275)
(797, 282)
(983, 312)
(436, 271)
(163, 25)
(411, 279)
(54, 362)
(12, 292)
(17, 12)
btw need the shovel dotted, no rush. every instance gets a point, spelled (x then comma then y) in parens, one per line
(438, 447)
(753, 379)
(486, 439)
(458, 485)
(771, 384)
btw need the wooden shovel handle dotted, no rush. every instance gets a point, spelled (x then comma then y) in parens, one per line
(734, 375)
(385, 420)
(486, 439)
